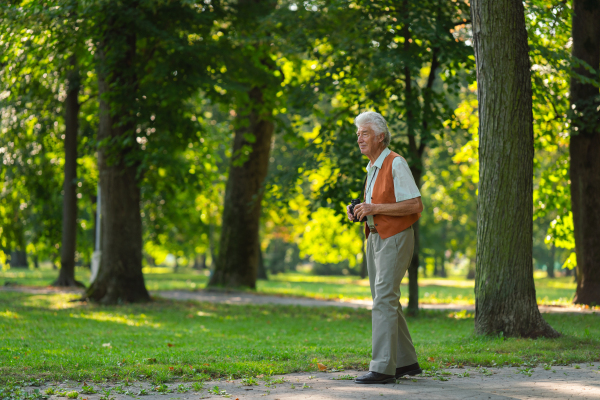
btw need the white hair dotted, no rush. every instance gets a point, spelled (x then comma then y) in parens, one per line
(377, 123)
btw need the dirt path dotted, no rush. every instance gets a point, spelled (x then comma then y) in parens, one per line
(578, 381)
(251, 298)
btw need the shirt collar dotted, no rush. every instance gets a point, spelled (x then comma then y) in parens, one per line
(379, 161)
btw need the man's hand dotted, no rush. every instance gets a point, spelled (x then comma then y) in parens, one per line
(363, 209)
(348, 213)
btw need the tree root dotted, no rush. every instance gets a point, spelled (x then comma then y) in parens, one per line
(67, 282)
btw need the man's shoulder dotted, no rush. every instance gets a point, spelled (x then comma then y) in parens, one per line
(397, 159)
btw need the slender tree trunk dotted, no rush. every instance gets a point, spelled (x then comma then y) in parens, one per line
(363, 266)
(120, 277)
(413, 269)
(504, 288)
(585, 152)
(551, 261)
(471, 271)
(237, 262)
(66, 276)
(443, 273)
(262, 272)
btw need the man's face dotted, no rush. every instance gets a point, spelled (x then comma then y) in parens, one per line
(368, 141)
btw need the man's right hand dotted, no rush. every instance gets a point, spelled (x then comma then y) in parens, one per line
(348, 213)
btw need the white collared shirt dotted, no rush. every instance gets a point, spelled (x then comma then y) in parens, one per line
(405, 187)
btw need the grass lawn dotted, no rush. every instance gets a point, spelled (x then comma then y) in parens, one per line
(557, 291)
(48, 337)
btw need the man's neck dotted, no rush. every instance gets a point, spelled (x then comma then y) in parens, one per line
(375, 156)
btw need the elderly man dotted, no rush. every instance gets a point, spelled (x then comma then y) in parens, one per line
(392, 204)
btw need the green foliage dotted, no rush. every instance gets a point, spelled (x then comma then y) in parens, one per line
(183, 89)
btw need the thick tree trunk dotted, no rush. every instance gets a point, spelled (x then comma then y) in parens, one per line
(66, 276)
(585, 152)
(237, 261)
(504, 288)
(120, 277)
(18, 259)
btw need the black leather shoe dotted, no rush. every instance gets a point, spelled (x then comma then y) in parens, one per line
(375, 377)
(411, 370)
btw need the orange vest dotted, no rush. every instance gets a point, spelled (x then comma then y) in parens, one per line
(383, 193)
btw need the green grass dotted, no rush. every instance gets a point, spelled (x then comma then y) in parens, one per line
(48, 337)
(557, 291)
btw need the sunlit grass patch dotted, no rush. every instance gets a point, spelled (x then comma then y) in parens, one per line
(166, 340)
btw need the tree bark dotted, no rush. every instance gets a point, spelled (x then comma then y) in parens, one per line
(413, 269)
(262, 272)
(585, 152)
(18, 259)
(363, 265)
(505, 300)
(551, 261)
(120, 277)
(66, 276)
(237, 261)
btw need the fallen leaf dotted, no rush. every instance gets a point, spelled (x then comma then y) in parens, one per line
(321, 367)
(105, 344)
(170, 345)
(171, 368)
(430, 359)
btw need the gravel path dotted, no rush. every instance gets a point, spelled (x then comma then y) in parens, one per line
(578, 381)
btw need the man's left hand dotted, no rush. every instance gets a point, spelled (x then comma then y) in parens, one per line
(363, 209)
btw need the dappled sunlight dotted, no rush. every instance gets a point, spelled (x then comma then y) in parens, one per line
(447, 282)
(157, 270)
(9, 314)
(557, 283)
(130, 320)
(463, 314)
(59, 301)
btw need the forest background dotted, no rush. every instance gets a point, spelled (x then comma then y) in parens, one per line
(185, 83)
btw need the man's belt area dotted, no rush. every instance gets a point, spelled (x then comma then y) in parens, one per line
(372, 229)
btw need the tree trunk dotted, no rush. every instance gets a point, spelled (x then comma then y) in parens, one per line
(585, 152)
(18, 259)
(443, 273)
(505, 300)
(237, 261)
(363, 266)
(66, 276)
(471, 270)
(120, 277)
(413, 269)
(262, 272)
(551, 261)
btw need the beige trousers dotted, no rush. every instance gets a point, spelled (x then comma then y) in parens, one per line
(387, 262)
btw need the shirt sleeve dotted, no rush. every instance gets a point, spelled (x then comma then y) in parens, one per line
(405, 187)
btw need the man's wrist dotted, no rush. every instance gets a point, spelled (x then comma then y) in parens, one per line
(376, 209)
